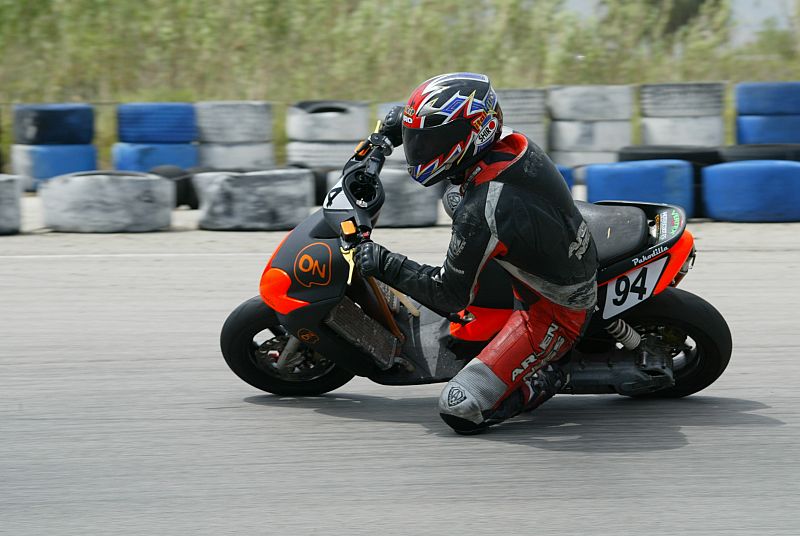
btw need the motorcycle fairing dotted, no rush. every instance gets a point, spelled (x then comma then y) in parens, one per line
(314, 266)
(627, 283)
(305, 278)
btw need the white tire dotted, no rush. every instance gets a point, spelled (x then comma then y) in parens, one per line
(328, 121)
(705, 131)
(595, 136)
(255, 156)
(108, 202)
(257, 201)
(234, 121)
(408, 203)
(319, 155)
(10, 192)
(537, 132)
(682, 100)
(522, 106)
(384, 107)
(590, 103)
(582, 158)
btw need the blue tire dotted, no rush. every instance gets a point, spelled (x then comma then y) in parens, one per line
(755, 191)
(43, 162)
(566, 172)
(752, 129)
(768, 98)
(154, 122)
(53, 124)
(144, 157)
(652, 181)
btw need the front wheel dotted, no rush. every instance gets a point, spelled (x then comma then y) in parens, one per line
(252, 338)
(693, 331)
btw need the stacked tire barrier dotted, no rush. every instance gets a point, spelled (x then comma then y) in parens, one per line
(51, 140)
(768, 112)
(235, 134)
(589, 123)
(323, 135)
(652, 181)
(108, 202)
(753, 191)
(185, 194)
(155, 134)
(10, 215)
(271, 200)
(407, 204)
(682, 114)
(698, 157)
(525, 111)
(777, 151)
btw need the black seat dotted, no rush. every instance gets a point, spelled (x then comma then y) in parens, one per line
(619, 231)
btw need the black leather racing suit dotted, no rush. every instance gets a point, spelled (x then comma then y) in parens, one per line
(517, 209)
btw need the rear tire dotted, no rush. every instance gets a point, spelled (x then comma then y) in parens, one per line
(699, 321)
(242, 355)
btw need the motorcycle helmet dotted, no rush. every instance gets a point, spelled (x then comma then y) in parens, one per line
(449, 123)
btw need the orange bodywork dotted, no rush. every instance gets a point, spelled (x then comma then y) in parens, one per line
(274, 290)
(487, 323)
(677, 256)
(275, 285)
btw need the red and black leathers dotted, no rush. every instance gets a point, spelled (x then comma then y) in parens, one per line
(517, 209)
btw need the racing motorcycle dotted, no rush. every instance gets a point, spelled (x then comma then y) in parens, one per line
(317, 323)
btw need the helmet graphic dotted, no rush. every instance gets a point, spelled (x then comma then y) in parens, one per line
(448, 124)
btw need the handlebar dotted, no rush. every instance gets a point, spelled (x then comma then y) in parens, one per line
(361, 191)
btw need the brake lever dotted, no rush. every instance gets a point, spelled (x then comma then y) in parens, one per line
(348, 256)
(349, 240)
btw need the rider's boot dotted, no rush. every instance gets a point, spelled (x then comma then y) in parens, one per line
(536, 389)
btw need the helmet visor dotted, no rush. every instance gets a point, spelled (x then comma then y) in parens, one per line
(423, 145)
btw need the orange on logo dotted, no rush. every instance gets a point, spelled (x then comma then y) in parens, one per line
(312, 266)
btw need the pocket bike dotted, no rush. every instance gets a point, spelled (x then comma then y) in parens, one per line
(317, 323)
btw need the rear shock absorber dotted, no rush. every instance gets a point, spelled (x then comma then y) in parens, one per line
(624, 334)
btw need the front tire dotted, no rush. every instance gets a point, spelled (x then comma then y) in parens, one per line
(681, 318)
(250, 360)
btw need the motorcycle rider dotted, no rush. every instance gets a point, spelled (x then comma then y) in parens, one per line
(517, 210)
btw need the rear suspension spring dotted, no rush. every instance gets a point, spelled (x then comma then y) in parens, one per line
(624, 334)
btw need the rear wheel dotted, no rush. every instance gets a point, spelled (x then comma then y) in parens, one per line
(692, 331)
(251, 341)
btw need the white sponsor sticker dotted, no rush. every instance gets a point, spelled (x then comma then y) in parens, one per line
(336, 198)
(632, 288)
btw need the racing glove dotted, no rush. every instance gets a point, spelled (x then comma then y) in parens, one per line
(392, 126)
(375, 260)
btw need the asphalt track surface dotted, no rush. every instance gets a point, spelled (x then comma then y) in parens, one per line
(119, 416)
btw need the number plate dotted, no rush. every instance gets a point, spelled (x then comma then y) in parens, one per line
(632, 288)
